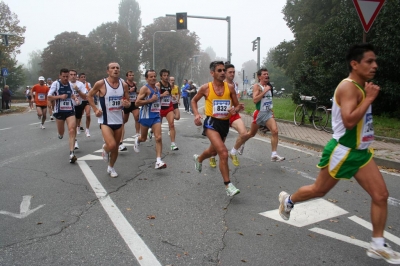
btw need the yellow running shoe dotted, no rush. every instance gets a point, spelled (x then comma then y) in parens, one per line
(235, 159)
(213, 162)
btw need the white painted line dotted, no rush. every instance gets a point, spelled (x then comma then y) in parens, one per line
(35, 123)
(5, 128)
(340, 237)
(393, 202)
(129, 139)
(90, 157)
(142, 253)
(389, 173)
(308, 213)
(368, 225)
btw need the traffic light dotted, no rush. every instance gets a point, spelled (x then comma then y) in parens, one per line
(254, 45)
(181, 21)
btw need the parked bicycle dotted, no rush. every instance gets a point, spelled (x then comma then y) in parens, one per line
(318, 117)
(328, 126)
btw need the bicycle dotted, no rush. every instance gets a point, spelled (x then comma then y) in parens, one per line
(318, 117)
(328, 126)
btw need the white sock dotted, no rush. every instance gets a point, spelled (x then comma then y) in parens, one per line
(212, 157)
(173, 143)
(274, 153)
(233, 151)
(158, 159)
(109, 167)
(378, 241)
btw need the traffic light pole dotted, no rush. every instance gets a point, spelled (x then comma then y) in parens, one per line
(228, 19)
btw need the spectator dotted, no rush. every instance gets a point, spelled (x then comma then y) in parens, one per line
(192, 91)
(6, 95)
(185, 96)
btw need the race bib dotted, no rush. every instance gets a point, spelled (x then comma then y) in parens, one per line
(368, 129)
(165, 101)
(132, 97)
(41, 96)
(155, 106)
(173, 99)
(220, 108)
(114, 103)
(266, 104)
(65, 105)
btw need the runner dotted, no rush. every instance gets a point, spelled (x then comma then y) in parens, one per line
(263, 115)
(85, 105)
(235, 121)
(176, 96)
(130, 80)
(114, 95)
(347, 154)
(167, 108)
(50, 104)
(219, 98)
(29, 97)
(149, 117)
(80, 93)
(61, 92)
(40, 99)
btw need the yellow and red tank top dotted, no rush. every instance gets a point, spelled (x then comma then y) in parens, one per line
(218, 106)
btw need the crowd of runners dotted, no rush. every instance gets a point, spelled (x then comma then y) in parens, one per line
(113, 99)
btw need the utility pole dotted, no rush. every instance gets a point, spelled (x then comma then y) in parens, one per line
(256, 46)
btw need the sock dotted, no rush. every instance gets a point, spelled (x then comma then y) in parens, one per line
(71, 152)
(172, 143)
(212, 157)
(109, 167)
(233, 151)
(227, 183)
(274, 153)
(378, 241)
(158, 159)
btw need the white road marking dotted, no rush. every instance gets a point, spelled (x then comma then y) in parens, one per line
(340, 237)
(35, 123)
(308, 213)
(368, 225)
(389, 173)
(140, 250)
(90, 157)
(5, 128)
(24, 208)
(393, 202)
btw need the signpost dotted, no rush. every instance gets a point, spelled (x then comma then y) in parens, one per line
(367, 11)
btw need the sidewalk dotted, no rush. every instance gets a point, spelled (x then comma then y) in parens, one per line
(387, 154)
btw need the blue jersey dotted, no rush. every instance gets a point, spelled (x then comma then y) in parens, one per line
(62, 106)
(151, 110)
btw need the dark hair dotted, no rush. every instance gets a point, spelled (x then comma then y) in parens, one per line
(73, 70)
(259, 72)
(228, 65)
(147, 72)
(214, 64)
(164, 71)
(64, 70)
(356, 53)
(81, 74)
(130, 71)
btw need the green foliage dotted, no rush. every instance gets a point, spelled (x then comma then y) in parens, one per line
(277, 74)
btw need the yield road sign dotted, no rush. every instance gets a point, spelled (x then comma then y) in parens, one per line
(367, 11)
(4, 72)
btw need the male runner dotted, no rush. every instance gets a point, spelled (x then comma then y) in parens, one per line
(219, 99)
(85, 106)
(167, 108)
(149, 117)
(263, 115)
(61, 92)
(176, 96)
(347, 154)
(130, 80)
(50, 104)
(235, 121)
(81, 96)
(40, 99)
(113, 96)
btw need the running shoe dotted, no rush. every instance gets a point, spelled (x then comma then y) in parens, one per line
(122, 147)
(197, 164)
(60, 136)
(174, 147)
(78, 132)
(213, 162)
(169, 133)
(81, 129)
(112, 172)
(231, 190)
(150, 134)
(42, 126)
(277, 158)
(72, 158)
(104, 154)
(284, 209)
(136, 147)
(52, 118)
(385, 253)
(235, 159)
(240, 150)
(160, 165)
(87, 133)
(76, 145)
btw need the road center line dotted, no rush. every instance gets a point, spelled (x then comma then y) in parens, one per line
(5, 128)
(139, 249)
(340, 237)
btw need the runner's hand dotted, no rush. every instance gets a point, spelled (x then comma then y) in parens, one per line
(98, 113)
(126, 103)
(371, 90)
(197, 120)
(154, 98)
(63, 96)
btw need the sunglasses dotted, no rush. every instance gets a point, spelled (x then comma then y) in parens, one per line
(220, 70)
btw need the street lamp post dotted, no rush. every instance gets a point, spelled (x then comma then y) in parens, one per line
(154, 55)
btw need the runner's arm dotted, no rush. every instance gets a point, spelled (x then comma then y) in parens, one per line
(90, 97)
(140, 101)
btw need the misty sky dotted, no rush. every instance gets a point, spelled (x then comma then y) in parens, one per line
(44, 19)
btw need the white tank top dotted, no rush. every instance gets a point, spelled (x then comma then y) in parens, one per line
(111, 104)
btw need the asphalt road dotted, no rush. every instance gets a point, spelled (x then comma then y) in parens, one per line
(78, 215)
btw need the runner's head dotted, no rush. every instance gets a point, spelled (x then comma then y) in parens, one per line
(41, 80)
(64, 76)
(49, 81)
(113, 70)
(361, 59)
(230, 72)
(82, 78)
(130, 76)
(217, 70)
(172, 81)
(72, 75)
(151, 76)
(263, 76)
(164, 74)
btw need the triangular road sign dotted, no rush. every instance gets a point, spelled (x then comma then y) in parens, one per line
(368, 10)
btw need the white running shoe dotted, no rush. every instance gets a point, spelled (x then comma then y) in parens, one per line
(160, 165)
(277, 158)
(385, 253)
(240, 150)
(104, 154)
(231, 190)
(78, 132)
(76, 145)
(42, 126)
(72, 158)
(136, 147)
(112, 172)
(284, 209)
(174, 147)
(122, 147)
(52, 118)
(87, 133)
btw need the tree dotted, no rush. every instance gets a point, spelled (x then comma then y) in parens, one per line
(211, 53)
(249, 68)
(34, 68)
(277, 75)
(201, 69)
(129, 17)
(172, 50)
